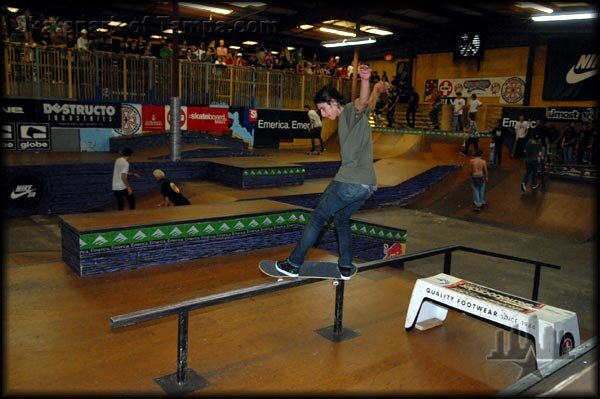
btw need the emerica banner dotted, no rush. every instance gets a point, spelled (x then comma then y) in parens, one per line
(571, 70)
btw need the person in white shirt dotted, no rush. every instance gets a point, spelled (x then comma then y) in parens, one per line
(475, 105)
(120, 183)
(82, 41)
(521, 130)
(315, 128)
(457, 117)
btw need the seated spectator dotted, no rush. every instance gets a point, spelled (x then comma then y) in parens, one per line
(229, 59)
(221, 51)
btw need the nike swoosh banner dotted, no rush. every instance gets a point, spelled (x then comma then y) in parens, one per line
(571, 70)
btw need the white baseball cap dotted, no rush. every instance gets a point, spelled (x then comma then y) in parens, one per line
(158, 174)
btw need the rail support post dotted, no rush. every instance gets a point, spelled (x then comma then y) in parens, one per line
(337, 332)
(185, 380)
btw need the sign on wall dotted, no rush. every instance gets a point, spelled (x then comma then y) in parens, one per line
(79, 114)
(571, 70)
(131, 120)
(153, 118)
(207, 119)
(508, 90)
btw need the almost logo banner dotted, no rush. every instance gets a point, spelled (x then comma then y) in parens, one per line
(24, 191)
(9, 136)
(209, 119)
(571, 70)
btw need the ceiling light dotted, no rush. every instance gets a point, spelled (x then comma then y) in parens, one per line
(156, 37)
(244, 4)
(306, 26)
(249, 42)
(535, 7)
(337, 32)
(291, 48)
(101, 30)
(170, 31)
(348, 42)
(564, 17)
(377, 31)
(234, 47)
(12, 9)
(115, 23)
(216, 10)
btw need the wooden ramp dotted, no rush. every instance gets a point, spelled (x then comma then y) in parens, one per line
(60, 340)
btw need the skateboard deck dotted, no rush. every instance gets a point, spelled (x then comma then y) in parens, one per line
(310, 269)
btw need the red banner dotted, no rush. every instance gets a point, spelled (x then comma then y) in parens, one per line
(208, 119)
(153, 118)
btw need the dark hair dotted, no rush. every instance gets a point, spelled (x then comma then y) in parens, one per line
(329, 93)
(473, 95)
(478, 153)
(127, 152)
(306, 106)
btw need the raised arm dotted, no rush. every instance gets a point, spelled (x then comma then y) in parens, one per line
(365, 98)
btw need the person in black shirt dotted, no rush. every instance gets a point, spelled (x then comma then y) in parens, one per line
(169, 190)
(413, 104)
(393, 98)
(498, 134)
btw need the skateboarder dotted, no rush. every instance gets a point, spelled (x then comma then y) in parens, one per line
(354, 182)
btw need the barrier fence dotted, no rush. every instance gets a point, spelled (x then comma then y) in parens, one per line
(186, 380)
(67, 74)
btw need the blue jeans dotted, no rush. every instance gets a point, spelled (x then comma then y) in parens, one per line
(478, 185)
(457, 122)
(339, 199)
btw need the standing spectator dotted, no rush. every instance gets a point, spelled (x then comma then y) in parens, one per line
(568, 142)
(413, 105)
(473, 137)
(384, 77)
(479, 175)
(498, 134)
(171, 194)
(475, 105)
(24, 26)
(221, 51)
(542, 134)
(393, 98)
(82, 41)
(120, 182)
(166, 51)
(315, 128)
(533, 153)
(583, 141)
(554, 138)
(436, 108)
(58, 39)
(70, 40)
(521, 130)
(457, 116)
(350, 70)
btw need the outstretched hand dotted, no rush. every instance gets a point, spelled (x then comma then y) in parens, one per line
(364, 71)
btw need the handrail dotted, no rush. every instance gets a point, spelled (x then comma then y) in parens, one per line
(197, 303)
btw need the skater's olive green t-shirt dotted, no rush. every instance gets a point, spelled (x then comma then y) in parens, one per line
(356, 147)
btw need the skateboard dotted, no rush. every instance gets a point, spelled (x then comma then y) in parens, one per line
(310, 269)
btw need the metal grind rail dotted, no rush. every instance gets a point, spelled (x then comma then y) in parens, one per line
(186, 380)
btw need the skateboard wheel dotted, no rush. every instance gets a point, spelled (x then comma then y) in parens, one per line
(335, 283)
(279, 279)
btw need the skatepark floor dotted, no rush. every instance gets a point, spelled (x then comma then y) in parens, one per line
(58, 339)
